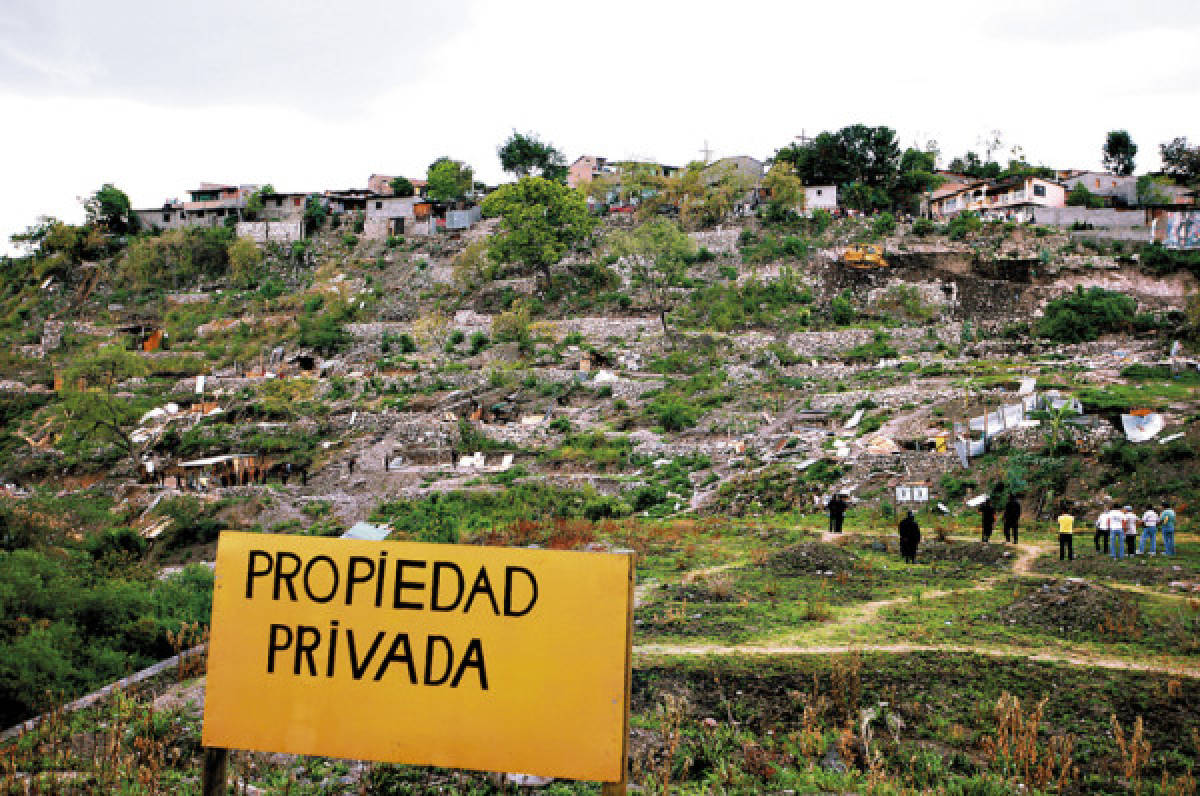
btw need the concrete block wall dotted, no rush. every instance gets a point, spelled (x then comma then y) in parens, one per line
(1107, 217)
(271, 231)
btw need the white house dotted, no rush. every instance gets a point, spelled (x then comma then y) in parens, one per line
(820, 197)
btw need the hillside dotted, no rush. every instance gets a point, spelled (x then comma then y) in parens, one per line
(159, 389)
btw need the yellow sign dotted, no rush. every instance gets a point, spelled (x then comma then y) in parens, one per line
(451, 655)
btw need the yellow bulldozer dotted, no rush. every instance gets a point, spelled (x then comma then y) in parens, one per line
(864, 256)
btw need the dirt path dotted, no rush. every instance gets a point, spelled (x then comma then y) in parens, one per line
(1099, 661)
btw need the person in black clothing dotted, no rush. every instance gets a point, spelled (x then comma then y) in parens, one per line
(987, 512)
(1012, 515)
(910, 537)
(837, 512)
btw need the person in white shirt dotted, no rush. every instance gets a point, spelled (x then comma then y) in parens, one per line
(1149, 531)
(1130, 521)
(1115, 522)
(1100, 538)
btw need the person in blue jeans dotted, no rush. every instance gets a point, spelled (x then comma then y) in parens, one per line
(1149, 543)
(1116, 531)
(1166, 521)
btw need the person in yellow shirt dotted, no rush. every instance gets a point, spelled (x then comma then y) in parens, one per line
(1066, 535)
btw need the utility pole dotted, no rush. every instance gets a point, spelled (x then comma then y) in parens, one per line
(707, 152)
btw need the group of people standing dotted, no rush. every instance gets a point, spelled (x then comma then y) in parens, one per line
(1117, 531)
(910, 531)
(1011, 517)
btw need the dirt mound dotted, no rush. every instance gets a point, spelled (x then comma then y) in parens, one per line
(811, 558)
(965, 552)
(1072, 609)
(703, 591)
(1158, 572)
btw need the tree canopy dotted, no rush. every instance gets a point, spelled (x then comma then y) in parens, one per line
(1119, 150)
(402, 186)
(856, 153)
(109, 208)
(972, 165)
(540, 220)
(448, 179)
(257, 202)
(1181, 160)
(659, 252)
(1080, 196)
(526, 155)
(867, 165)
(94, 410)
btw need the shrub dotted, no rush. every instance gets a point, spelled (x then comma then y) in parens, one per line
(879, 348)
(1158, 259)
(841, 309)
(478, 342)
(963, 225)
(673, 413)
(884, 224)
(923, 227)
(1083, 316)
(513, 325)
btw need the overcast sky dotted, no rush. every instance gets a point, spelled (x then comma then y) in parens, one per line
(158, 96)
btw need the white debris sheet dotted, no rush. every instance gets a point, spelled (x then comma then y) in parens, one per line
(1141, 428)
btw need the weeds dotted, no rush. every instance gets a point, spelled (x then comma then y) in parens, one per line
(1135, 751)
(1017, 752)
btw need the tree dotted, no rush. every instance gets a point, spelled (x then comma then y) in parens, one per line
(1151, 190)
(314, 212)
(786, 190)
(257, 202)
(702, 196)
(1119, 150)
(974, 166)
(402, 186)
(448, 180)
(540, 220)
(916, 178)
(1080, 196)
(525, 155)
(245, 260)
(659, 252)
(1180, 160)
(93, 408)
(864, 198)
(110, 209)
(856, 153)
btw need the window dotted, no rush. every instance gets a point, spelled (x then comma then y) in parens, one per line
(166, 218)
(279, 203)
(1039, 190)
(379, 205)
(296, 202)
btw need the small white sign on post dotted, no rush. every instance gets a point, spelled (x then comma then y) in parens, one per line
(912, 493)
